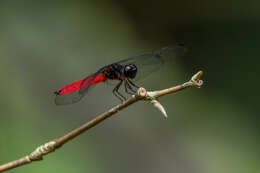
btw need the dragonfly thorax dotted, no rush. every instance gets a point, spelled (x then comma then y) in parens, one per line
(130, 71)
(113, 71)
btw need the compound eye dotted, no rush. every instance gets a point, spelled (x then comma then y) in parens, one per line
(130, 71)
(127, 68)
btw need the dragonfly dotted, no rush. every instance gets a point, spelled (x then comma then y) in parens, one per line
(126, 71)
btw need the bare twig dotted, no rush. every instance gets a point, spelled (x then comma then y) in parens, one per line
(141, 94)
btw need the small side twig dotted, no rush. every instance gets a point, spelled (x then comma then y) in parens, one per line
(141, 94)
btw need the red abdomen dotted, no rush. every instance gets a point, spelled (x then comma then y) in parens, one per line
(81, 83)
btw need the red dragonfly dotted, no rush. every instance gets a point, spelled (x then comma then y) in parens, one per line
(125, 71)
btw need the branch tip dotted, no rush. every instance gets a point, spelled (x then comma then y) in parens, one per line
(196, 79)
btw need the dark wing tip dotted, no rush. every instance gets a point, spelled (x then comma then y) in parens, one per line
(175, 50)
(181, 44)
(185, 46)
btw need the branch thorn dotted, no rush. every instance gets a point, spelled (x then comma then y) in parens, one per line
(158, 105)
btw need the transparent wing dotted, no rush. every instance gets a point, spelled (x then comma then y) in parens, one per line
(151, 61)
(69, 98)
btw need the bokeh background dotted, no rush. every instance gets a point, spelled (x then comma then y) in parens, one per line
(46, 44)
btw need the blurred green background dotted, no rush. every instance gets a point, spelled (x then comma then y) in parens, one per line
(46, 44)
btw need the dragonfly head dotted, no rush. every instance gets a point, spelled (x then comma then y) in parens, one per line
(130, 71)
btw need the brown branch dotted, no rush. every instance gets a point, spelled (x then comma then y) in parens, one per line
(142, 94)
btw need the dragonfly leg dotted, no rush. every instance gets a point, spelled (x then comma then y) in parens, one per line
(131, 88)
(127, 86)
(117, 93)
(134, 85)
